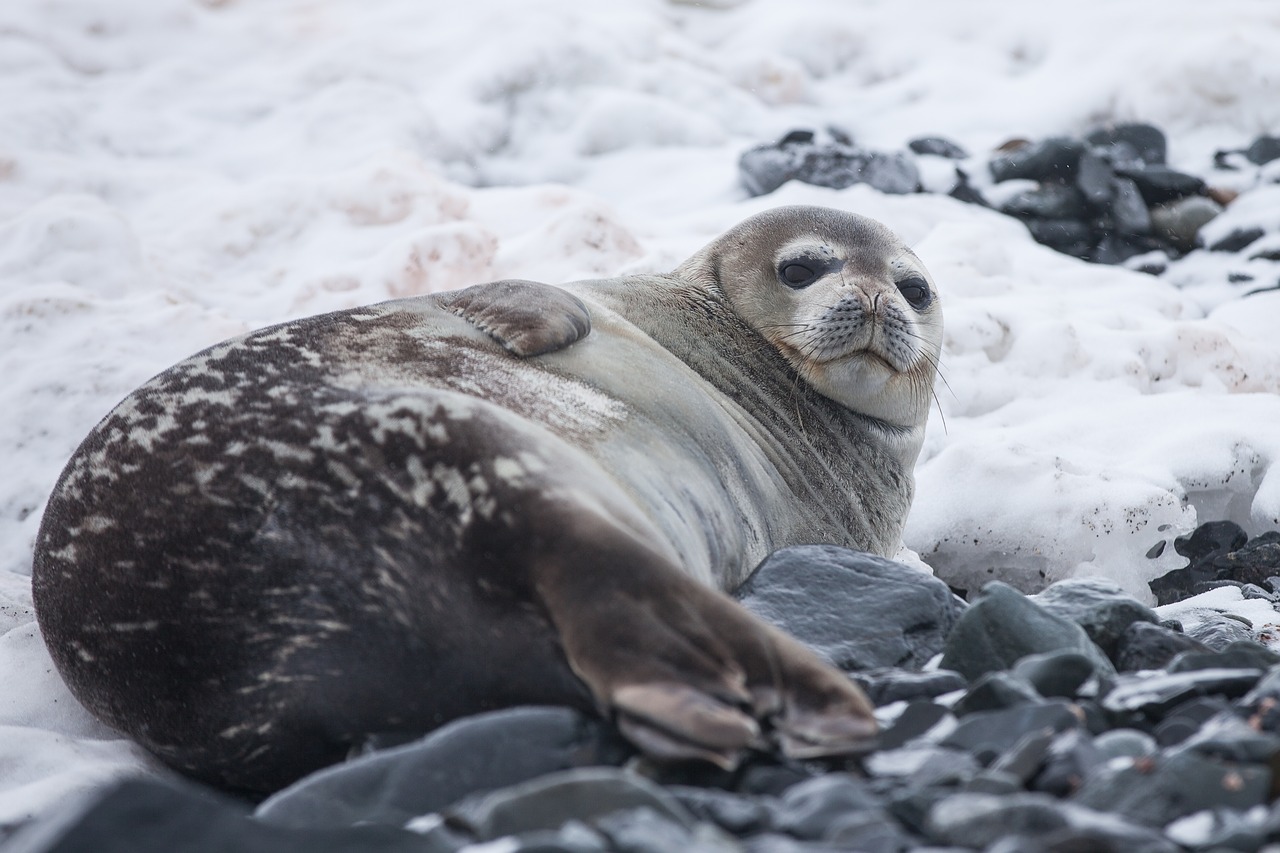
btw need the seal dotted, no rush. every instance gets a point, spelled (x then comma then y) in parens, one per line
(380, 519)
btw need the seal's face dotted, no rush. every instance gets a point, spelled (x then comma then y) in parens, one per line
(846, 302)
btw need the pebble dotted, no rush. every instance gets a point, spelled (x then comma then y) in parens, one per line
(996, 691)
(1263, 150)
(1139, 140)
(834, 163)
(1052, 159)
(1160, 184)
(1147, 646)
(858, 610)
(1055, 674)
(1099, 606)
(1155, 694)
(884, 686)
(1179, 222)
(938, 146)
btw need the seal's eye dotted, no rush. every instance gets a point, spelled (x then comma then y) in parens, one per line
(796, 275)
(916, 291)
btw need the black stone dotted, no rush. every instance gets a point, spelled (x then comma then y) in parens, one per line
(480, 753)
(1070, 759)
(1146, 646)
(771, 842)
(1229, 737)
(1156, 695)
(1113, 248)
(966, 192)
(1025, 758)
(1053, 159)
(1094, 179)
(1129, 208)
(643, 830)
(1000, 730)
(937, 146)
(995, 691)
(979, 820)
(916, 719)
(884, 686)
(868, 832)
(1179, 222)
(1055, 674)
(1066, 235)
(1003, 626)
(1186, 720)
(149, 816)
(809, 808)
(1099, 606)
(1272, 254)
(837, 164)
(1145, 140)
(1048, 201)
(1263, 150)
(1219, 632)
(1239, 655)
(858, 610)
(1253, 562)
(1157, 790)
(1125, 743)
(738, 814)
(1236, 240)
(1209, 548)
(1210, 539)
(1160, 184)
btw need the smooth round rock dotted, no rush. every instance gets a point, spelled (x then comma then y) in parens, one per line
(1055, 674)
(1220, 632)
(996, 691)
(1051, 159)
(884, 686)
(1157, 694)
(1124, 743)
(1000, 730)
(1097, 605)
(1263, 150)
(1160, 184)
(1146, 141)
(1145, 646)
(857, 610)
(1048, 201)
(1179, 222)
(739, 814)
(809, 808)
(938, 146)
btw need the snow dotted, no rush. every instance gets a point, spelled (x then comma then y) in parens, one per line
(175, 172)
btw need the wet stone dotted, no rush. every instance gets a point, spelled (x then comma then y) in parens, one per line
(1124, 743)
(1115, 248)
(1160, 184)
(1229, 737)
(735, 813)
(858, 610)
(1025, 758)
(809, 808)
(1179, 222)
(777, 843)
(645, 830)
(1099, 606)
(1055, 674)
(884, 686)
(1054, 159)
(1129, 208)
(1219, 632)
(992, 781)
(1066, 235)
(1263, 150)
(1158, 694)
(1240, 655)
(1000, 730)
(1211, 539)
(995, 691)
(1094, 180)
(1238, 239)
(916, 719)
(868, 832)
(938, 146)
(977, 820)
(1146, 141)
(1002, 626)
(1070, 759)
(1048, 201)
(836, 164)
(1145, 646)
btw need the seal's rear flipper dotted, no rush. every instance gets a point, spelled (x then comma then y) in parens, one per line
(526, 317)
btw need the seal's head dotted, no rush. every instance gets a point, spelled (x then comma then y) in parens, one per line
(846, 302)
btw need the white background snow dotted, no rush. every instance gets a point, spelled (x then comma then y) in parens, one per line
(175, 172)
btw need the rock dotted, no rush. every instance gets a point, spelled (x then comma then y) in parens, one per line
(550, 801)
(1203, 547)
(645, 830)
(1263, 150)
(884, 686)
(1048, 201)
(1053, 159)
(1129, 208)
(1211, 539)
(1099, 606)
(858, 610)
(775, 843)
(978, 820)
(996, 691)
(1241, 655)
(1146, 141)
(1185, 720)
(144, 815)
(1217, 830)
(1252, 562)
(1056, 674)
(735, 813)
(1160, 184)
(1095, 180)
(837, 164)
(868, 832)
(1219, 632)
(809, 808)
(1157, 694)
(1238, 239)
(1115, 248)
(966, 192)
(1146, 646)
(1070, 759)
(480, 753)
(1179, 222)
(998, 731)
(1026, 758)
(916, 719)
(1124, 743)
(938, 146)
(992, 781)
(1003, 625)
(1228, 737)
(1066, 235)
(1158, 790)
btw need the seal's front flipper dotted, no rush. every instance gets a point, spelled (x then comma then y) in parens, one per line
(526, 317)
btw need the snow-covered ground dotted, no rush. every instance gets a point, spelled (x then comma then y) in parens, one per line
(175, 172)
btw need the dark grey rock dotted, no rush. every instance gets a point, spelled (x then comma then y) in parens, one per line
(1157, 694)
(937, 146)
(645, 830)
(1003, 626)
(1055, 674)
(1025, 759)
(771, 780)
(996, 691)
(868, 832)
(1235, 241)
(1179, 222)
(479, 753)
(1263, 150)
(858, 610)
(738, 814)
(1219, 632)
(1070, 758)
(993, 781)
(1253, 562)
(1048, 201)
(884, 686)
(809, 808)
(956, 771)
(1116, 248)
(1053, 159)
(903, 764)
(836, 164)
(1154, 791)
(1129, 208)
(1124, 743)
(149, 816)
(776, 843)
(1146, 646)
(1000, 730)
(916, 719)
(1229, 737)
(1160, 184)
(1099, 606)
(573, 837)
(548, 802)
(966, 192)
(1211, 539)
(894, 174)
(1242, 655)
(1094, 179)
(977, 820)
(1068, 236)
(1146, 141)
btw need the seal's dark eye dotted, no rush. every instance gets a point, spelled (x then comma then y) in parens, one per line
(796, 275)
(916, 291)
